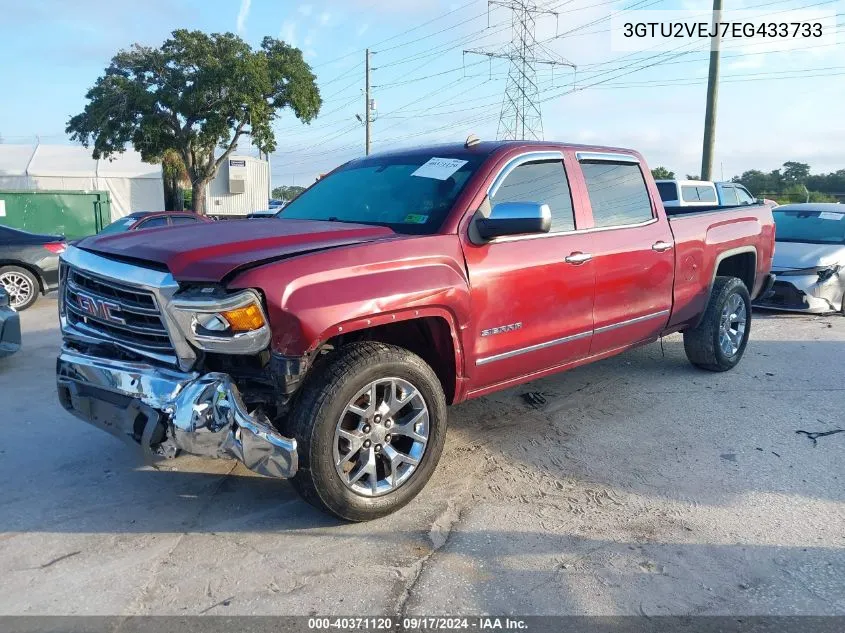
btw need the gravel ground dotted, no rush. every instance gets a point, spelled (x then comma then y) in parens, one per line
(642, 486)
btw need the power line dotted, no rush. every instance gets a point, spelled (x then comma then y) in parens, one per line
(398, 35)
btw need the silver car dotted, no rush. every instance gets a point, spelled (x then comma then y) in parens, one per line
(809, 262)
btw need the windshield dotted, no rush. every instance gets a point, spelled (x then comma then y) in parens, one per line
(409, 194)
(811, 227)
(118, 226)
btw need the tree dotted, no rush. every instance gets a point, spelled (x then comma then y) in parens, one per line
(287, 193)
(197, 95)
(795, 173)
(798, 193)
(755, 181)
(173, 174)
(661, 173)
(691, 177)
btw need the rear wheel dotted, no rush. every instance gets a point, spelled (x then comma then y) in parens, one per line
(22, 286)
(719, 341)
(370, 425)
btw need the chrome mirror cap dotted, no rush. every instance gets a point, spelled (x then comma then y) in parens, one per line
(515, 218)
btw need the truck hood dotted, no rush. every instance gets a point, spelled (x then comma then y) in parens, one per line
(797, 255)
(208, 252)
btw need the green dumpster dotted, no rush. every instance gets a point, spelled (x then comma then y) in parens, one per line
(73, 214)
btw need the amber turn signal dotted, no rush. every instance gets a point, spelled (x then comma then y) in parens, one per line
(245, 319)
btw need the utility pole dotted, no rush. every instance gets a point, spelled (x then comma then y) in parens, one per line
(520, 117)
(712, 97)
(367, 104)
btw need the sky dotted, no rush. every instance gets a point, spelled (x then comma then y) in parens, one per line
(773, 106)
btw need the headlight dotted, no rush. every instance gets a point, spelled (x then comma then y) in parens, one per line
(227, 324)
(827, 273)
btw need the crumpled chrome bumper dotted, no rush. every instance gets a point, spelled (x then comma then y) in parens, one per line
(164, 411)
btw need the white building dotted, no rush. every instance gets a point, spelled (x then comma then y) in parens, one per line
(242, 186)
(132, 184)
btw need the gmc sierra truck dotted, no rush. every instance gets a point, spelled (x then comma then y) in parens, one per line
(325, 345)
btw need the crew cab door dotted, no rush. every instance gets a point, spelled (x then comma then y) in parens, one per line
(633, 252)
(532, 295)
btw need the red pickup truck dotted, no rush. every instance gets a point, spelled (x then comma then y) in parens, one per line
(325, 345)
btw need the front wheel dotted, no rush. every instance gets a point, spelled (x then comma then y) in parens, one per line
(370, 425)
(719, 340)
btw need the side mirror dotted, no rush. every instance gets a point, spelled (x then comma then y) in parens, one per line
(515, 218)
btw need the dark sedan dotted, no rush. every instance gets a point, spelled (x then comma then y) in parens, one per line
(153, 219)
(10, 326)
(29, 265)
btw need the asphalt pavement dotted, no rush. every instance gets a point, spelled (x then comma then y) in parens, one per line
(642, 486)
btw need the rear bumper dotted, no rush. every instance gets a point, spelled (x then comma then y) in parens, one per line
(10, 332)
(163, 411)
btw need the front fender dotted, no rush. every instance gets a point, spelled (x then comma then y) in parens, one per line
(314, 297)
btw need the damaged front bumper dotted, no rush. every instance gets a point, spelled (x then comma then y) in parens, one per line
(164, 411)
(807, 292)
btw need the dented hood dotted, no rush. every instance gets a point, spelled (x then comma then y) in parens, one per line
(797, 255)
(208, 252)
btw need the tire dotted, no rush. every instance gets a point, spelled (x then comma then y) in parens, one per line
(703, 344)
(321, 416)
(22, 286)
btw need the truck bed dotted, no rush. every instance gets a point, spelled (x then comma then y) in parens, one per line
(704, 234)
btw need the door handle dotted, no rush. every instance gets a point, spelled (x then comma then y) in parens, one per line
(661, 246)
(577, 258)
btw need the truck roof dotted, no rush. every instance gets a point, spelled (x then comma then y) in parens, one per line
(488, 148)
(698, 183)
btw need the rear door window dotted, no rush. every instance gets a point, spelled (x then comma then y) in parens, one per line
(743, 196)
(729, 196)
(541, 182)
(618, 193)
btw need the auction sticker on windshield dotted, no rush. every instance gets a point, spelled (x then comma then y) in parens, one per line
(439, 168)
(831, 215)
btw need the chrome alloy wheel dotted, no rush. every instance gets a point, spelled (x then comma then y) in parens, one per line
(732, 325)
(381, 437)
(20, 288)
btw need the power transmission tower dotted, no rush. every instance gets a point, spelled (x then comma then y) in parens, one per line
(521, 117)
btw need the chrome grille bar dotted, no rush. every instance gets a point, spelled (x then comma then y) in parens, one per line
(137, 323)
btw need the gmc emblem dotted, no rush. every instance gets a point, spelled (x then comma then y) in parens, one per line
(100, 308)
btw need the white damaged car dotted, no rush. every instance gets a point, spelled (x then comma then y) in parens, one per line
(809, 262)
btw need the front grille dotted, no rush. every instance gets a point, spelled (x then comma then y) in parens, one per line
(142, 327)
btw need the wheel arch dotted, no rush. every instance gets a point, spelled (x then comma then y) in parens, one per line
(740, 262)
(430, 333)
(737, 262)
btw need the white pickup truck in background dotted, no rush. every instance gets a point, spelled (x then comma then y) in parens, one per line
(699, 193)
